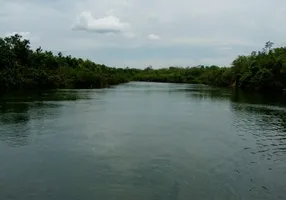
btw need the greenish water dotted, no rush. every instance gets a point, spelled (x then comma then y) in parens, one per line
(143, 141)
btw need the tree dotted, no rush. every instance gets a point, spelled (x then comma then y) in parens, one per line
(268, 46)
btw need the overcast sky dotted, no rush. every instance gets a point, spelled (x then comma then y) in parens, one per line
(138, 33)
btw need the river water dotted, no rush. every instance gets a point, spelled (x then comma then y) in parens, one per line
(142, 141)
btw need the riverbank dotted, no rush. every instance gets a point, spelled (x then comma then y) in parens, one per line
(263, 71)
(24, 68)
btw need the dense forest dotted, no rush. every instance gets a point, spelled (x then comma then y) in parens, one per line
(263, 70)
(24, 68)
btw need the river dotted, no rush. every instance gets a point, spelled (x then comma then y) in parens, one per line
(143, 141)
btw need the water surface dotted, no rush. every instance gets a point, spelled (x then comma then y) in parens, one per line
(143, 141)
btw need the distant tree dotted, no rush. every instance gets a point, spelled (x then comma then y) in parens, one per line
(268, 46)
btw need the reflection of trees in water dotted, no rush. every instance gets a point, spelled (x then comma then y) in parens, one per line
(261, 115)
(46, 95)
(257, 98)
(203, 92)
(18, 109)
(214, 93)
(265, 122)
(264, 115)
(270, 107)
(13, 113)
(13, 121)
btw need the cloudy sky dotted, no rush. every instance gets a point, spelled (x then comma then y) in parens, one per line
(138, 33)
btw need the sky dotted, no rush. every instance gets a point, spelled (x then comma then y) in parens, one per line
(140, 33)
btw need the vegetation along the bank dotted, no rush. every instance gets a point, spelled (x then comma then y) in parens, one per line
(24, 68)
(263, 70)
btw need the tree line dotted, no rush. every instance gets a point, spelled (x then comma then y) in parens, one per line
(263, 70)
(24, 68)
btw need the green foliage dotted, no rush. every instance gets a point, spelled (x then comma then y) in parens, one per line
(212, 75)
(263, 71)
(24, 68)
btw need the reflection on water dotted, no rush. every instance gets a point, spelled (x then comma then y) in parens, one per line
(18, 108)
(263, 116)
(45, 95)
(143, 141)
(268, 126)
(257, 98)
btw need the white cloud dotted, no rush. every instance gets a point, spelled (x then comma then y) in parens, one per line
(154, 37)
(109, 24)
